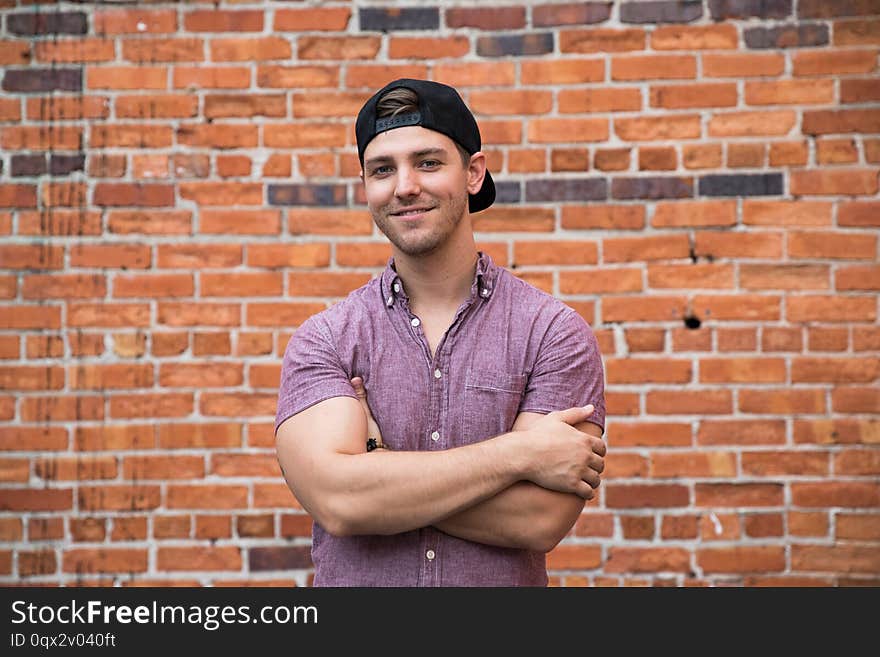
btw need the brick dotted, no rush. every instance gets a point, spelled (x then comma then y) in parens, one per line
(28, 165)
(701, 156)
(737, 307)
(610, 217)
(742, 370)
(515, 45)
(223, 21)
(693, 464)
(338, 48)
(855, 33)
(279, 558)
(285, 77)
(215, 77)
(511, 102)
(555, 253)
(828, 339)
(836, 151)
(671, 127)
(458, 75)
(736, 339)
(830, 62)
(660, 11)
(63, 286)
(845, 494)
(859, 213)
(637, 527)
(246, 50)
(645, 309)
(222, 193)
(828, 308)
(745, 155)
(820, 9)
(742, 65)
(41, 80)
(842, 121)
(660, 247)
(859, 90)
(742, 124)
(202, 558)
(296, 194)
(657, 158)
(163, 50)
(835, 181)
(567, 159)
(741, 559)
(572, 71)
(134, 21)
(14, 53)
(858, 277)
(792, 35)
(639, 340)
(59, 22)
(573, 189)
(759, 184)
(73, 51)
(653, 67)
(335, 19)
(738, 495)
(43, 438)
(381, 19)
(784, 277)
(596, 281)
(630, 496)
(788, 153)
(782, 402)
(694, 37)
(858, 526)
(601, 40)
(690, 276)
(786, 213)
(615, 99)
(694, 95)
(725, 9)
(425, 48)
(651, 434)
(654, 187)
(789, 92)
(834, 370)
(583, 13)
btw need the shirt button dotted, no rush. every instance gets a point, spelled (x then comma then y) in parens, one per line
(435, 436)
(485, 292)
(430, 554)
(397, 287)
(415, 321)
(437, 374)
(389, 301)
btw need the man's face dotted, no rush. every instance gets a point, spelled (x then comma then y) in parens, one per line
(417, 187)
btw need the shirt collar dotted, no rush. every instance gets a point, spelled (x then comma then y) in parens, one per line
(484, 280)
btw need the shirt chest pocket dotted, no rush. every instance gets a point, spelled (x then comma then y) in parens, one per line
(491, 403)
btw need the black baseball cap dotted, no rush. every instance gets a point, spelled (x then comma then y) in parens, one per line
(440, 109)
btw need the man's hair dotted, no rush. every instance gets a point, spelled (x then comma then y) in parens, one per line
(405, 101)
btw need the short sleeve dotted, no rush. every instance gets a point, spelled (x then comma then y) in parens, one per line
(310, 373)
(568, 371)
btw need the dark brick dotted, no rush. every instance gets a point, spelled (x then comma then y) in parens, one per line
(30, 164)
(386, 19)
(652, 187)
(279, 558)
(61, 165)
(722, 9)
(515, 45)
(571, 189)
(508, 192)
(758, 184)
(43, 79)
(487, 18)
(834, 8)
(33, 23)
(302, 194)
(580, 13)
(787, 36)
(661, 11)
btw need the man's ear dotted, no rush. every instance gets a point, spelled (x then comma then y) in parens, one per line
(362, 175)
(476, 172)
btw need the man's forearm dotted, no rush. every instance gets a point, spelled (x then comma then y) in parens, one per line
(521, 516)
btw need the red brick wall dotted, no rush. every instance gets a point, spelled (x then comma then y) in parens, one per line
(698, 179)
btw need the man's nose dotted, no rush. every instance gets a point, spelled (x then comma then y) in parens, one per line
(407, 183)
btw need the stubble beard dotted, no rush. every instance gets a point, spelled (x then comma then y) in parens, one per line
(418, 241)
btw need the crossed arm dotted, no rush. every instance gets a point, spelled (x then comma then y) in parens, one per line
(521, 489)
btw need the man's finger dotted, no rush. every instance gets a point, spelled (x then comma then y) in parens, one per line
(358, 385)
(574, 415)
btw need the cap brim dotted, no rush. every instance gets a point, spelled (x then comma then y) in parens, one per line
(483, 198)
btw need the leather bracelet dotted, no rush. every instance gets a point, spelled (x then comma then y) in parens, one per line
(372, 444)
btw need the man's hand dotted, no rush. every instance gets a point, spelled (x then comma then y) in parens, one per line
(361, 392)
(562, 458)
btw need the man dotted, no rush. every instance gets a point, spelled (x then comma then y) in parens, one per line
(475, 450)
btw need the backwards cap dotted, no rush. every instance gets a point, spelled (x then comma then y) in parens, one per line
(440, 109)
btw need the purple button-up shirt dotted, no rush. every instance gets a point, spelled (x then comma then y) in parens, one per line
(510, 348)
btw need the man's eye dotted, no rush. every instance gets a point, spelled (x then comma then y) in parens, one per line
(430, 164)
(381, 171)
